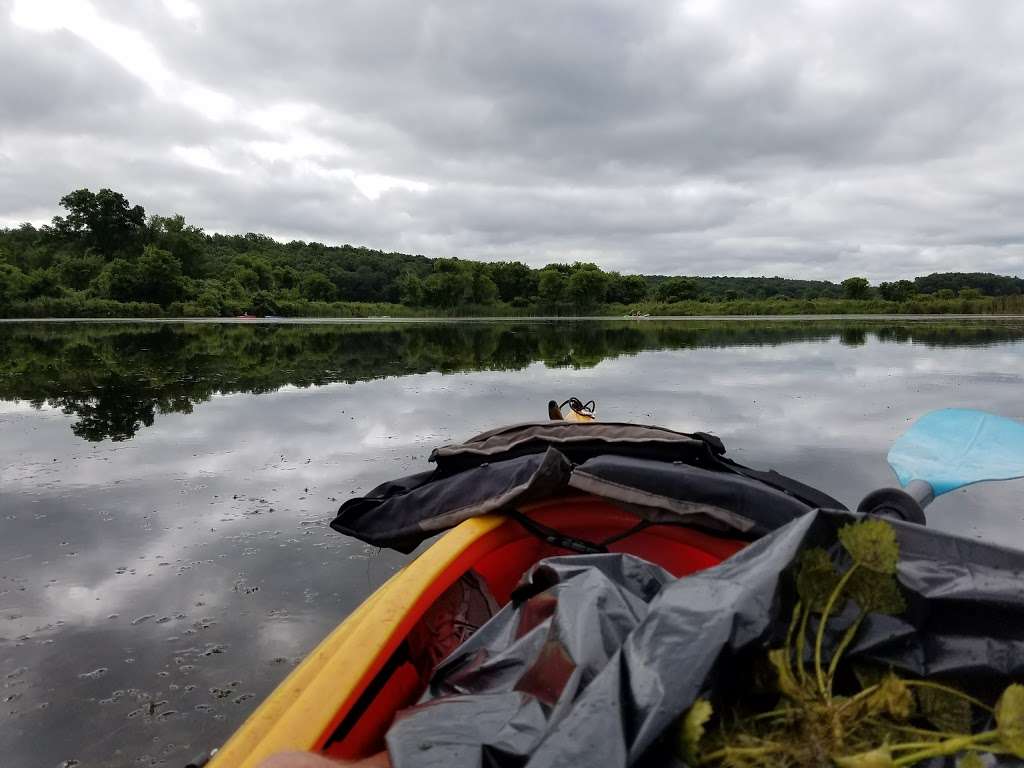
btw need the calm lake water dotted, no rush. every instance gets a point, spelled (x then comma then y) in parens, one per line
(165, 489)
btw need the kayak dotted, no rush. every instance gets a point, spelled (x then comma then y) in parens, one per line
(605, 487)
(508, 499)
(342, 698)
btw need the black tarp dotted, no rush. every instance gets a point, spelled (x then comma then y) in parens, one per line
(597, 656)
(663, 476)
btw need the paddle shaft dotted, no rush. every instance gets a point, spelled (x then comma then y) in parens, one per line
(921, 491)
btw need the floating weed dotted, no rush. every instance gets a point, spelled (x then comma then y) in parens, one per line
(1010, 719)
(876, 758)
(888, 722)
(872, 544)
(815, 579)
(693, 729)
(876, 592)
(945, 710)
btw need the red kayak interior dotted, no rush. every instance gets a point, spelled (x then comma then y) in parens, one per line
(500, 558)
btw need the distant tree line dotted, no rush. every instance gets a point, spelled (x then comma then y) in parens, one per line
(106, 257)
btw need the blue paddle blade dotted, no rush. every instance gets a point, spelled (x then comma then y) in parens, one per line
(955, 447)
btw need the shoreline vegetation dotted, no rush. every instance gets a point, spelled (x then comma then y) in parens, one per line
(106, 259)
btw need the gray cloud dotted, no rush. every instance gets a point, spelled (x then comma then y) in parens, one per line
(804, 139)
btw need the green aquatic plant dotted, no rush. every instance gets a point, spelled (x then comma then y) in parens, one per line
(886, 721)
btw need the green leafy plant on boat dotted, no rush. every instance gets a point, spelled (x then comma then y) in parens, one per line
(886, 721)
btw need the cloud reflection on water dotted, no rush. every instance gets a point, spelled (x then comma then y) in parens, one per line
(192, 561)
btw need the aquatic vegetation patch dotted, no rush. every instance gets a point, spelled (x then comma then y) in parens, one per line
(883, 720)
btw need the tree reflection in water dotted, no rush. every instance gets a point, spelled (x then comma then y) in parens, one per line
(115, 378)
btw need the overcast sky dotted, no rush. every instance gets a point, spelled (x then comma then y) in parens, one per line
(815, 139)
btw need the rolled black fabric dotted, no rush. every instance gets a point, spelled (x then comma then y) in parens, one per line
(402, 514)
(661, 475)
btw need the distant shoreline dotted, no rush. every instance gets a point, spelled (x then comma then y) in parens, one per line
(107, 259)
(513, 318)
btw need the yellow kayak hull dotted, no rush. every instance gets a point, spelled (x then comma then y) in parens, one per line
(297, 714)
(334, 702)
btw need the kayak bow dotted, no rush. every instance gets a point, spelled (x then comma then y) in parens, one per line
(342, 698)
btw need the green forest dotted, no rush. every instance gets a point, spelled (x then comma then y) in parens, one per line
(115, 378)
(107, 258)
